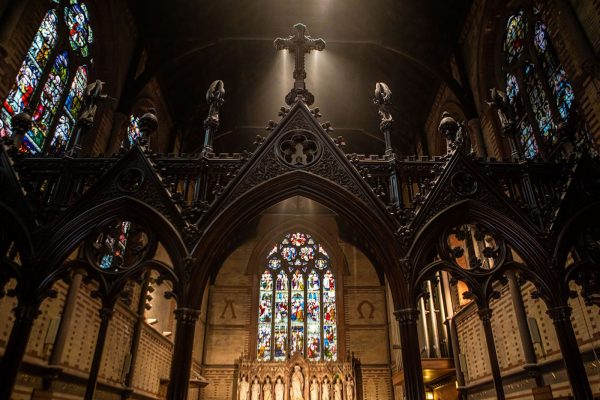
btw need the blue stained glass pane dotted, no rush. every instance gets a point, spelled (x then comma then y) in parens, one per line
(80, 32)
(289, 253)
(133, 131)
(281, 316)
(539, 102)
(563, 91)
(540, 39)
(48, 105)
(512, 88)
(297, 340)
(530, 148)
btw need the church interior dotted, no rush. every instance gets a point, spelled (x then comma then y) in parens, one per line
(299, 199)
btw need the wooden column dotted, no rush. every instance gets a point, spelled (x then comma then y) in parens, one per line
(105, 317)
(15, 348)
(580, 386)
(181, 363)
(485, 314)
(411, 358)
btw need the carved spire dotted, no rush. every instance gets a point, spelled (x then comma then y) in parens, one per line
(215, 96)
(299, 44)
(383, 99)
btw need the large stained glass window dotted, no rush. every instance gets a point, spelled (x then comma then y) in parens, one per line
(49, 81)
(536, 84)
(297, 302)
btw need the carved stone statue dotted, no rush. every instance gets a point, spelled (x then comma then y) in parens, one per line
(383, 99)
(93, 93)
(267, 389)
(296, 391)
(279, 389)
(325, 389)
(337, 389)
(215, 97)
(349, 389)
(506, 112)
(314, 389)
(255, 389)
(243, 388)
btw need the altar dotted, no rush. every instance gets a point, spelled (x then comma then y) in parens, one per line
(296, 379)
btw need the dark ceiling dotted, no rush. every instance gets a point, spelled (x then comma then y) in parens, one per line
(193, 42)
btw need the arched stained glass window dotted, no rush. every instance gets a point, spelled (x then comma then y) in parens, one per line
(49, 82)
(297, 302)
(536, 84)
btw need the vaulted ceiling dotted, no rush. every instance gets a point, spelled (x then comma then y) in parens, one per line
(405, 43)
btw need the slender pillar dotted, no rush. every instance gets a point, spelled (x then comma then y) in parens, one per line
(460, 376)
(485, 314)
(137, 334)
(182, 353)
(105, 317)
(443, 316)
(524, 334)
(425, 328)
(66, 319)
(411, 359)
(15, 349)
(561, 316)
(437, 351)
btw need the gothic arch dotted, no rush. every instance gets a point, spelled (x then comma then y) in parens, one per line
(523, 242)
(79, 226)
(15, 227)
(380, 235)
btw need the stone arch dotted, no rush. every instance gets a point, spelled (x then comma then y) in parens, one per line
(380, 235)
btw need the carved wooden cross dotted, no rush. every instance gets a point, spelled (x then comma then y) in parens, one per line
(299, 44)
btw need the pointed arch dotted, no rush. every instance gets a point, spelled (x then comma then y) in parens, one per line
(379, 234)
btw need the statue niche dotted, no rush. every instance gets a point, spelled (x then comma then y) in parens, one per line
(297, 379)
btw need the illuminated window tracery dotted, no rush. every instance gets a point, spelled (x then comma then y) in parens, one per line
(297, 302)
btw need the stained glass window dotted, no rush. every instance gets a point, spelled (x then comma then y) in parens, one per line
(133, 130)
(44, 78)
(514, 41)
(71, 111)
(78, 22)
(302, 317)
(116, 244)
(31, 70)
(547, 94)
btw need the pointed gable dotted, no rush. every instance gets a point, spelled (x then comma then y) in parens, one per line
(298, 142)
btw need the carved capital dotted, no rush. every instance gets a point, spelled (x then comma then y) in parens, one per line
(485, 314)
(26, 313)
(187, 316)
(106, 313)
(560, 314)
(407, 316)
